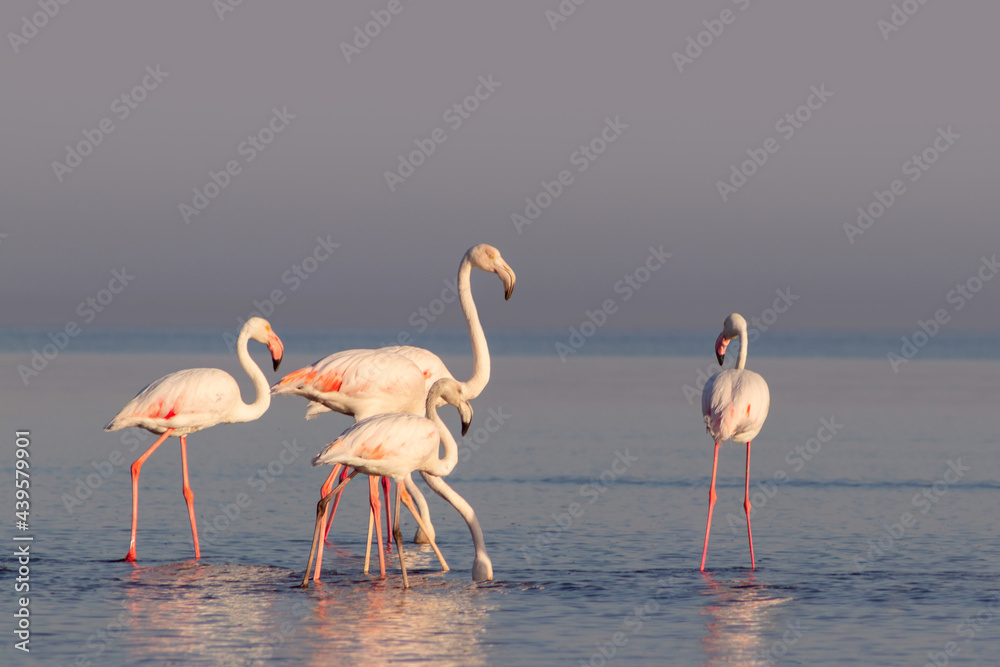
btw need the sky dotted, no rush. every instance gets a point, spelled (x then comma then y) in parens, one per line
(737, 136)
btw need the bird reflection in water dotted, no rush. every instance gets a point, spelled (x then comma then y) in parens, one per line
(232, 614)
(743, 621)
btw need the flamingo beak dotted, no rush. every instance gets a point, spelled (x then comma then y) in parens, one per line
(507, 277)
(465, 410)
(275, 347)
(720, 348)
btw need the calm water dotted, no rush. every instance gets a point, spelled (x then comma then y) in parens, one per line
(592, 495)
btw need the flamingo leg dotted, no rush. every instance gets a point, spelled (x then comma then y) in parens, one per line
(388, 513)
(189, 496)
(746, 508)
(375, 513)
(711, 504)
(399, 535)
(422, 536)
(368, 549)
(327, 485)
(420, 522)
(136, 467)
(318, 530)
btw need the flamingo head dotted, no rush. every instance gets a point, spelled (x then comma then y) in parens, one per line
(449, 391)
(487, 258)
(260, 330)
(733, 327)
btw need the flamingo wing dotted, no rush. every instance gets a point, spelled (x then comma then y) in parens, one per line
(357, 382)
(389, 445)
(734, 404)
(429, 363)
(187, 401)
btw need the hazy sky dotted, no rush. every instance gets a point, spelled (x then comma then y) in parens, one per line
(198, 87)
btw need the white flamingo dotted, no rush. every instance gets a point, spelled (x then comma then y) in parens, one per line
(734, 404)
(363, 383)
(394, 445)
(187, 401)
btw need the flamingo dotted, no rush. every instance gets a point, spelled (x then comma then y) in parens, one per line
(191, 400)
(363, 383)
(394, 445)
(734, 404)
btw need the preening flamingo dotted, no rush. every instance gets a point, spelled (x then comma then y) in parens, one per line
(734, 404)
(394, 445)
(191, 400)
(363, 383)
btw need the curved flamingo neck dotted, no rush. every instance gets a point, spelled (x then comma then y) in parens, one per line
(741, 361)
(480, 350)
(441, 466)
(248, 412)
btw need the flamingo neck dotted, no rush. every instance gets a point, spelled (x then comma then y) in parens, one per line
(248, 412)
(441, 467)
(741, 361)
(480, 350)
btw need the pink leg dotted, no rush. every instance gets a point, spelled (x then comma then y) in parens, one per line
(746, 508)
(189, 496)
(711, 505)
(136, 467)
(376, 510)
(327, 486)
(388, 512)
(321, 508)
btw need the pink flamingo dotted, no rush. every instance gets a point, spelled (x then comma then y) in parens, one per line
(194, 399)
(364, 383)
(734, 404)
(394, 445)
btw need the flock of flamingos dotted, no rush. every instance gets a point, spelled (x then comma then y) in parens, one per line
(393, 393)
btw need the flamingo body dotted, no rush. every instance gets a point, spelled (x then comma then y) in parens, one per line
(734, 404)
(191, 400)
(367, 382)
(395, 445)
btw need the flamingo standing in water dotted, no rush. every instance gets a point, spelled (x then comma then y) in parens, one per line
(191, 400)
(734, 404)
(364, 383)
(394, 445)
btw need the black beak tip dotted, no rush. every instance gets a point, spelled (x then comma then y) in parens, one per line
(465, 427)
(276, 362)
(720, 357)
